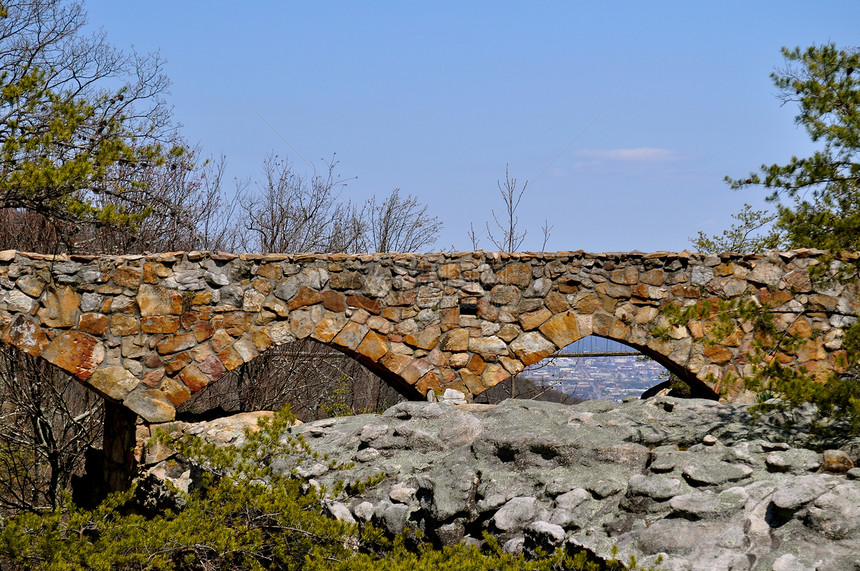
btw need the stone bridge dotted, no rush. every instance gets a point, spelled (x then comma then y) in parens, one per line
(148, 331)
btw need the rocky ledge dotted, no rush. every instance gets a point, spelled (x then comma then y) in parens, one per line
(695, 484)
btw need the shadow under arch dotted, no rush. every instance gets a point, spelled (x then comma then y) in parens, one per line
(316, 380)
(51, 434)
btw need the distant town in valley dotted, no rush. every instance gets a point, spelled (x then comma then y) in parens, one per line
(598, 377)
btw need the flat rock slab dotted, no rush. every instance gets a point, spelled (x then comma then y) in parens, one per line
(701, 488)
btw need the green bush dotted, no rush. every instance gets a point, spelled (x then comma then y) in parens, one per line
(837, 396)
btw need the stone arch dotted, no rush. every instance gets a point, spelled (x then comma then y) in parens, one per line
(147, 331)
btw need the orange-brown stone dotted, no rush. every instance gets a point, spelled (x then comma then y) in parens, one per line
(494, 375)
(556, 302)
(437, 357)
(262, 339)
(652, 277)
(450, 318)
(351, 335)
(812, 350)
(838, 361)
(200, 352)
(220, 340)
(153, 378)
(395, 362)
(203, 331)
(512, 366)
(306, 296)
(533, 320)
(417, 369)
(345, 280)
(515, 274)
(31, 285)
(230, 358)
(193, 378)
(60, 307)
(724, 269)
(374, 346)
(157, 300)
(425, 339)
(176, 343)
(176, 393)
(821, 302)
(75, 352)
(122, 324)
(237, 322)
(373, 306)
(504, 294)
(212, 368)
(93, 323)
(455, 340)
(774, 298)
(476, 364)
(262, 286)
(531, 347)
(114, 382)
(270, 271)
(429, 382)
(149, 275)
(472, 381)
(684, 290)
(401, 298)
(448, 272)
(561, 329)
(586, 303)
(333, 301)
(329, 326)
(246, 348)
(392, 313)
(127, 277)
(160, 324)
(626, 276)
(619, 330)
(801, 328)
(486, 310)
(797, 281)
(177, 363)
(718, 354)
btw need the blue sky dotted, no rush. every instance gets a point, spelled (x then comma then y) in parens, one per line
(436, 98)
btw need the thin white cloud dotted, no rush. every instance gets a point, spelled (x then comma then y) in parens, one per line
(641, 154)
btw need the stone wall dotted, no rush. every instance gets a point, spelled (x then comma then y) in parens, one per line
(148, 331)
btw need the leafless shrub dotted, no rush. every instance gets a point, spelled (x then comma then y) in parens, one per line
(399, 224)
(290, 213)
(47, 421)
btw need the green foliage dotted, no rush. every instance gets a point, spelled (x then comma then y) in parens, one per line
(836, 396)
(744, 236)
(337, 404)
(818, 206)
(400, 557)
(59, 151)
(79, 121)
(244, 516)
(823, 189)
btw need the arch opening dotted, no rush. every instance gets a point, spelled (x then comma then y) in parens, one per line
(317, 380)
(600, 367)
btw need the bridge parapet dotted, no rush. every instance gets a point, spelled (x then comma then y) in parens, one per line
(148, 331)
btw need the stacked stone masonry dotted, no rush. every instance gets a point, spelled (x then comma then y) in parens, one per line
(148, 331)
